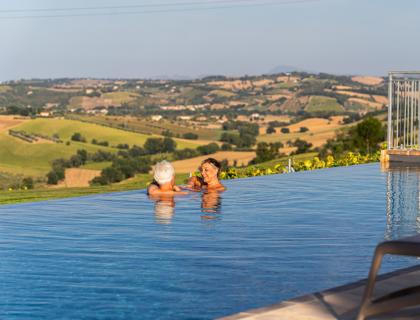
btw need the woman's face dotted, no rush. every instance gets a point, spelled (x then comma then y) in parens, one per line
(209, 172)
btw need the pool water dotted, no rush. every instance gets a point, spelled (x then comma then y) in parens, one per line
(266, 239)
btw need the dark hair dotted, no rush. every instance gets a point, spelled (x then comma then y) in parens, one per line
(214, 162)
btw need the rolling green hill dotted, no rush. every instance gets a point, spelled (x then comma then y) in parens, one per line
(144, 125)
(18, 156)
(66, 128)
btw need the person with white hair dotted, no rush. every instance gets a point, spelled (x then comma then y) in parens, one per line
(163, 180)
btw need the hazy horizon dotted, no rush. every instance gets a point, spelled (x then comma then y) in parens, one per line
(176, 39)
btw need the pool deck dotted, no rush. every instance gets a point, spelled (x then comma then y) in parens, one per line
(338, 303)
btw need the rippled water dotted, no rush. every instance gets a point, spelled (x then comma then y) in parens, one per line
(123, 256)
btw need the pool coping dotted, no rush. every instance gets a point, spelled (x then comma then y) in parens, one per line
(301, 300)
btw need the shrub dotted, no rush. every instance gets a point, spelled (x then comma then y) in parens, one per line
(100, 156)
(302, 146)
(303, 129)
(190, 135)
(208, 148)
(270, 130)
(226, 147)
(153, 145)
(82, 153)
(167, 133)
(266, 152)
(168, 145)
(185, 154)
(28, 183)
(285, 130)
(78, 137)
(123, 146)
(52, 177)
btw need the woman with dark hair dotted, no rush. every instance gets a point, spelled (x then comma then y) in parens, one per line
(210, 170)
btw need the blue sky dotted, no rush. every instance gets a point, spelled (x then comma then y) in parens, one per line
(334, 36)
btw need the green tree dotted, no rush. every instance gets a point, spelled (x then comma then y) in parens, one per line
(368, 134)
(153, 145)
(302, 146)
(168, 145)
(52, 177)
(83, 155)
(266, 152)
(208, 148)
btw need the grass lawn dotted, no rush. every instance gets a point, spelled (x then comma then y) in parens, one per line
(138, 182)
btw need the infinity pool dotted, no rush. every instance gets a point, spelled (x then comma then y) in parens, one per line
(123, 256)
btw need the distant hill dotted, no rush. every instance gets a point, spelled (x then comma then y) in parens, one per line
(285, 69)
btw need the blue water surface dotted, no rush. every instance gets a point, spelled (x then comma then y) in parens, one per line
(124, 256)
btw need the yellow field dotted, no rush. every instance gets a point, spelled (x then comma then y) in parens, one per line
(190, 165)
(343, 88)
(8, 122)
(320, 130)
(317, 124)
(262, 82)
(288, 79)
(368, 80)
(75, 177)
(232, 85)
(369, 104)
(380, 99)
(222, 93)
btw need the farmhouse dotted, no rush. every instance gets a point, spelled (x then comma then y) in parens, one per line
(184, 118)
(255, 117)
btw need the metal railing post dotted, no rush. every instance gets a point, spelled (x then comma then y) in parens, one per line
(389, 111)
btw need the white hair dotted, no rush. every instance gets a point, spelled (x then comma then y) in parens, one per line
(164, 172)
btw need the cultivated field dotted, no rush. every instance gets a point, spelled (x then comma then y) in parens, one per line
(75, 177)
(119, 98)
(320, 130)
(368, 104)
(147, 126)
(323, 104)
(368, 80)
(190, 165)
(8, 122)
(66, 128)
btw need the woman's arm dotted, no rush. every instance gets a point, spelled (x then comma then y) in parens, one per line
(195, 182)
